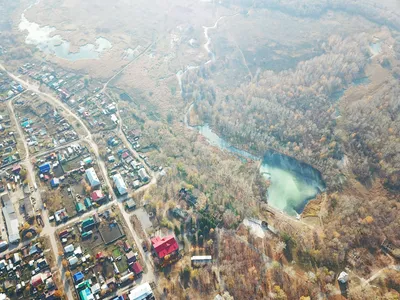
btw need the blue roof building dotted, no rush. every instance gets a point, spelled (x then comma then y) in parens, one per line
(55, 182)
(78, 277)
(45, 168)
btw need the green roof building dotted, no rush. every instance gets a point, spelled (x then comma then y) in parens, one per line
(80, 207)
(88, 222)
(88, 203)
(86, 294)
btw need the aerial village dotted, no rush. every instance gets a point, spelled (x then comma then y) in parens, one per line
(72, 226)
(8, 87)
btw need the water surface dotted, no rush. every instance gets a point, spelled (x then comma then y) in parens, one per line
(293, 183)
(42, 38)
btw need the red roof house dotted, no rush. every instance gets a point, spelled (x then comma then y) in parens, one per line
(40, 278)
(164, 246)
(16, 169)
(36, 280)
(99, 255)
(96, 195)
(137, 268)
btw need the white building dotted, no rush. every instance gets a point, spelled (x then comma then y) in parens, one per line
(92, 177)
(73, 260)
(69, 249)
(143, 175)
(120, 184)
(141, 292)
(11, 220)
(201, 259)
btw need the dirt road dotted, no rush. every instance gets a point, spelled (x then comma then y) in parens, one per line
(47, 230)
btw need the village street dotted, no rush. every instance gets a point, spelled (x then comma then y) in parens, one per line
(49, 230)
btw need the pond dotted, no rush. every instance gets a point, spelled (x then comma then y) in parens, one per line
(356, 82)
(42, 38)
(293, 183)
(375, 48)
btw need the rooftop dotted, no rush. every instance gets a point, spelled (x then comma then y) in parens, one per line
(141, 292)
(164, 246)
(120, 184)
(92, 177)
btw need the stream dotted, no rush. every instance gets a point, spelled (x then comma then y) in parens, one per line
(206, 46)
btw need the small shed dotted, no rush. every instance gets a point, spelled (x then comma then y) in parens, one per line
(130, 204)
(343, 277)
(88, 203)
(55, 182)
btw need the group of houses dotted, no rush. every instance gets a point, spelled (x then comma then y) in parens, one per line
(82, 95)
(126, 171)
(8, 87)
(43, 126)
(90, 284)
(8, 143)
(25, 268)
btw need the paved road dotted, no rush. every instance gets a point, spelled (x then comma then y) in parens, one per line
(48, 229)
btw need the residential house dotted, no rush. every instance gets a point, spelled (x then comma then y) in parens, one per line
(137, 268)
(88, 224)
(141, 292)
(120, 184)
(55, 182)
(69, 249)
(164, 246)
(97, 196)
(80, 208)
(130, 204)
(131, 257)
(78, 277)
(61, 216)
(72, 261)
(45, 168)
(92, 178)
(86, 294)
(143, 175)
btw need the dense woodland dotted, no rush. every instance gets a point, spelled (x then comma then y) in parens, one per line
(296, 112)
(354, 142)
(381, 12)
